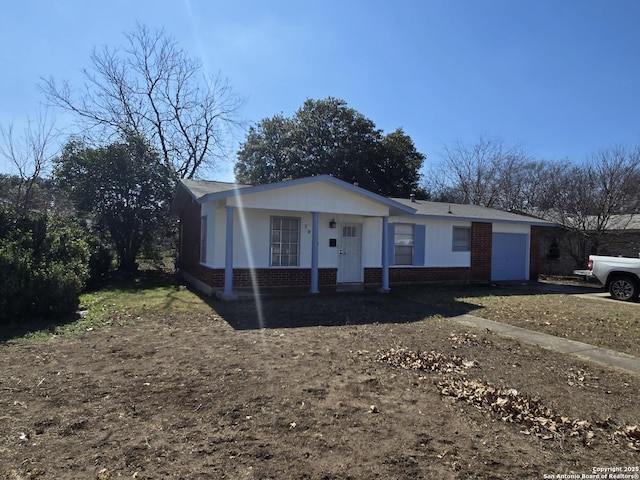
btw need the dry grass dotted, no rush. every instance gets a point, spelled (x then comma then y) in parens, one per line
(600, 322)
(153, 381)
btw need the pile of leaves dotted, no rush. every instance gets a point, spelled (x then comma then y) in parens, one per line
(513, 407)
(629, 434)
(429, 361)
(467, 339)
(579, 378)
(506, 403)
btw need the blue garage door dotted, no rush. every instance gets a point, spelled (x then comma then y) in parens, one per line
(509, 256)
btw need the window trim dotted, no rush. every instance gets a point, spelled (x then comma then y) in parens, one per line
(271, 242)
(461, 248)
(413, 244)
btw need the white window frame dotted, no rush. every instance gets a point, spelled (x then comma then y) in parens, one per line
(284, 245)
(461, 244)
(404, 241)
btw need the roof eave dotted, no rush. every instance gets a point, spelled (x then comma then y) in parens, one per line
(246, 190)
(536, 223)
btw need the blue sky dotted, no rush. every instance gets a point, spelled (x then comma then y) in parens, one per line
(559, 77)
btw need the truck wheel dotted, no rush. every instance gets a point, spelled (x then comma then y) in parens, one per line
(624, 288)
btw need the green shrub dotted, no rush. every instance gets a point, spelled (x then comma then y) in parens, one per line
(44, 265)
(100, 262)
(15, 268)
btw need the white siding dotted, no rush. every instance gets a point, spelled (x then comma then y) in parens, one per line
(252, 228)
(327, 256)
(311, 197)
(439, 242)
(217, 256)
(252, 232)
(372, 242)
(439, 245)
(209, 211)
(511, 228)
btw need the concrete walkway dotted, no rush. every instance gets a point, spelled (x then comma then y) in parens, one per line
(603, 356)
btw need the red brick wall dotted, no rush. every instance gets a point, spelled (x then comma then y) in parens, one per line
(281, 277)
(417, 275)
(190, 248)
(481, 241)
(214, 277)
(265, 277)
(373, 276)
(190, 241)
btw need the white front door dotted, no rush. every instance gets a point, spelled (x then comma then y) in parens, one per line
(350, 253)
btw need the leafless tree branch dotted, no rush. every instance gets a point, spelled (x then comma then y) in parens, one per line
(29, 153)
(151, 87)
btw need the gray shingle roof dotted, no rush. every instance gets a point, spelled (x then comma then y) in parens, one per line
(203, 190)
(469, 212)
(625, 222)
(629, 221)
(200, 188)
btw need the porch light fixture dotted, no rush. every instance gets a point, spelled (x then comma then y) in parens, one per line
(332, 223)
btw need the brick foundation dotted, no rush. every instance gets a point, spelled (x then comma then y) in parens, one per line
(281, 277)
(400, 275)
(327, 276)
(265, 277)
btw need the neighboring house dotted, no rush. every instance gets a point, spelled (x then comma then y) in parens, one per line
(568, 246)
(323, 232)
(622, 237)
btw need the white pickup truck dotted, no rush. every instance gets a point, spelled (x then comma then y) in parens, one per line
(619, 275)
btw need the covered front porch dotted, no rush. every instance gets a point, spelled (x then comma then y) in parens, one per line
(312, 232)
(334, 257)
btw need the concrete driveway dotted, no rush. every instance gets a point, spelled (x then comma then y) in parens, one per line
(607, 297)
(588, 291)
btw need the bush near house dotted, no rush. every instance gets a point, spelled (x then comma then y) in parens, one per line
(45, 262)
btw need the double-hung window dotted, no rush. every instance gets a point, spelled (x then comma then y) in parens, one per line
(461, 239)
(285, 242)
(403, 244)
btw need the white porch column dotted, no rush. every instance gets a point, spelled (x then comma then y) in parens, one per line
(385, 254)
(228, 256)
(314, 254)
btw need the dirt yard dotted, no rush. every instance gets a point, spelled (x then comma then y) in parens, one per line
(350, 386)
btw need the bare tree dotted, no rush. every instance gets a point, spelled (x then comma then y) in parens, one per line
(523, 184)
(152, 88)
(473, 170)
(596, 199)
(29, 153)
(487, 173)
(593, 201)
